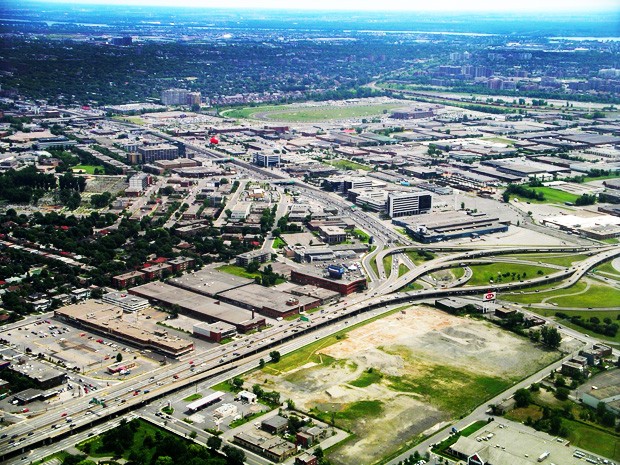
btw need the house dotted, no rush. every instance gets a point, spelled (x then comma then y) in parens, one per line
(306, 459)
(80, 294)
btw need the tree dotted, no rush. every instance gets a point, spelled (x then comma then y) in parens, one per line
(237, 382)
(275, 356)
(214, 442)
(164, 460)
(193, 434)
(119, 357)
(561, 393)
(523, 397)
(235, 456)
(551, 337)
(261, 363)
(318, 453)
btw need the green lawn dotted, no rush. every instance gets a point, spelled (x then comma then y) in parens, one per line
(551, 196)
(414, 286)
(387, 264)
(482, 274)
(416, 258)
(129, 119)
(348, 165)
(237, 271)
(278, 243)
(593, 439)
(361, 235)
(292, 114)
(553, 259)
(373, 265)
(597, 296)
(90, 169)
(402, 269)
(193, 397)
(607, 268)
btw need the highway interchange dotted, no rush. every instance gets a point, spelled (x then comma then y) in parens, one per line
(381, 296)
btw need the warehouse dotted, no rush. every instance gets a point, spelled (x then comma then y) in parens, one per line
(198, 306)
(498, 444)
(209, 282)
(452, 226)
(215, 332)
(268, 302)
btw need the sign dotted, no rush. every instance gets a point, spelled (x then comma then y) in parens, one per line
(489, 296)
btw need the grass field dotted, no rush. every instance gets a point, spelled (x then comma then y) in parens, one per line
(361, 235)
(278, 243)
(129, 119)
(501, 140)
(193, 397)
(553, 259)
(414, 286)
(387, 264)
(90, 169)
(551, 196)
(578, 295)
(348, 165)
(237, 271)
(483, 274)
(402, 269)
(417, 258)
(301, 114)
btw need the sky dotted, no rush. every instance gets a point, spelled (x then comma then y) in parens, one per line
(557, 6)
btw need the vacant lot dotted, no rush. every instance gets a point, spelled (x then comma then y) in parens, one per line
(394, 379)
(301, 114)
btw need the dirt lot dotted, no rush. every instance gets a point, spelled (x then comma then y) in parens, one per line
(401, 376)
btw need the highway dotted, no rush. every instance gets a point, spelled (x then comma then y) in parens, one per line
(199, 366)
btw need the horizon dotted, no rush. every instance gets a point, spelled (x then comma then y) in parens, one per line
(554, 7)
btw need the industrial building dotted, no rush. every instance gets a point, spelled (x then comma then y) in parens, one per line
(112, 321)
(198, 306)
(214, 331)
(453, 225)
(44, 376)
(345, 285)
(498, 443)
(209, 282)
(408, 203)
(272, 447)
(267, 301)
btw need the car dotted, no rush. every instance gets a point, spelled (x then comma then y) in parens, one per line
(64, 414)
(31, 433)
(3, 436)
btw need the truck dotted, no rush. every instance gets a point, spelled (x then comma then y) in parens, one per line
(543, 456)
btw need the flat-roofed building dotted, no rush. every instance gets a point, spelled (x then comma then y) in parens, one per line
(125, 280)
(128, 303)
(111, 321)
(199, 306)
(258, 256)
(332, 234)
(214, 331)
(408, 203)
(345, 285)
(209, 282)
(268, 302)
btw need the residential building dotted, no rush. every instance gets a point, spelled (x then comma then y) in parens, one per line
(259, 256)
(180, 97)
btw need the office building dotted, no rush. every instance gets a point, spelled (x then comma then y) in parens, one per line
(408, 203)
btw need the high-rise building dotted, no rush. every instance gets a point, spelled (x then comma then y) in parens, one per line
(408, 203)
(180, 97)
(266, 159)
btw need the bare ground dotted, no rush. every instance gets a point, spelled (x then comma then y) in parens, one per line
(421, 346)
